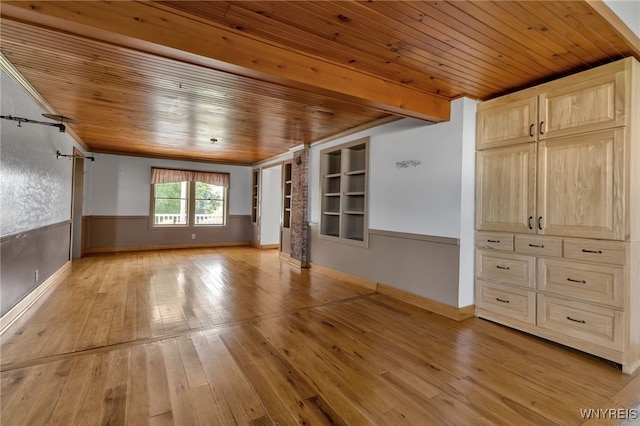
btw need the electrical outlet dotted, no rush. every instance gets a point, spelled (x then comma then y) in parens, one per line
(36, 275)
(193, 236)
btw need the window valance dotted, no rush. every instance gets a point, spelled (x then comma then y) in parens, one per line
(159, 175)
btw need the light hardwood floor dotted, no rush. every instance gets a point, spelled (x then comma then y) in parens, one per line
(238, 336)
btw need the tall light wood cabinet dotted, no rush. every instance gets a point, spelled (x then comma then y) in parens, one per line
(558, 211)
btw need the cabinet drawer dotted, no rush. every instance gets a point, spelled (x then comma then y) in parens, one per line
(508, 301)
(592, 324)
(592, 283)
(541, 246)
(595, 251)
(494, 240)
(506, 267)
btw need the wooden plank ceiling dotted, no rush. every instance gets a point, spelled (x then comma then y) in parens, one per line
(163, 79)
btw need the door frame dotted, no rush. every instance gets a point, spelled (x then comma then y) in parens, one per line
(76, 249)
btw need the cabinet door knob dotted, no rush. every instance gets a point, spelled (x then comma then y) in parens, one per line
(540, 223)
(531, 130)
(541, 128)
(530, 222)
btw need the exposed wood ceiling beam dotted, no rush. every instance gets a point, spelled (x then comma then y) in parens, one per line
(153, 28)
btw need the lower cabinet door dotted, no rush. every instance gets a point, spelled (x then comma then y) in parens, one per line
(510, 302)
(592, 324)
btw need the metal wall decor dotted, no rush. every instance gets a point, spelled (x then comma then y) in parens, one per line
(405, 164)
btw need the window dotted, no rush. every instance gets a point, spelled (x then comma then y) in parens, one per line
(188, 198)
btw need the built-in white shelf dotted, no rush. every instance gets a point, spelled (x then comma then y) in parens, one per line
(343, 171)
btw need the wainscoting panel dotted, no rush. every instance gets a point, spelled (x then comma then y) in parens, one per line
(125, 233)
(44, 250)
(422, 265)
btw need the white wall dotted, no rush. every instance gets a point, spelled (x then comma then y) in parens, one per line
(374, 133)
(118, 185)
(425, 199)
(467, 202)
(271, 203)
(35, 186)
(425, 196)
(628, 11)
(433, 196)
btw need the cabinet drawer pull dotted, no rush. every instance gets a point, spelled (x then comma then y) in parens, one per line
(592, 251)
(576, 281)
(537, 245)
(575, 320)
(501, 300)
(494, 241)
(506, 268)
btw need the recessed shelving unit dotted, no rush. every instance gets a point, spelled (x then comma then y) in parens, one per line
(255, 182)
(286, 193)
(344, 191)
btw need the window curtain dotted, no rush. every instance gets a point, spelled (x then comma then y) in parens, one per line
(159, 175)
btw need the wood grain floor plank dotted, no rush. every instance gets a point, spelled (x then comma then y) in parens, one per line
(51, 386)
(179, 392)
(236, 398)
(191, 362)
(18, 398)
(12, 383)
(71, 396)
(115, 393)
(137, 403)
(157, 385)
(90, 408)
(93, 320)
(274, 409)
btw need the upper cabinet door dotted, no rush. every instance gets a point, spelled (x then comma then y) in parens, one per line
(507, 120)
(578, 105)
(581, 186)
(505, 188)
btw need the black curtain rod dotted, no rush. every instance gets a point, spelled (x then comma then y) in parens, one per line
(21, 120)
(86, 157)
